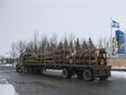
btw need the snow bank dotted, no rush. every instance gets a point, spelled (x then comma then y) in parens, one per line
(6, 65)
(7, 89)
(118, 74)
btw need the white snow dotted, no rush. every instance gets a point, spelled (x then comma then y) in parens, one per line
(7, 89)
(114, 74)
(118, 74)
(6, 65)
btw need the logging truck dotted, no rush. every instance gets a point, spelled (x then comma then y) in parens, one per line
(87, 64)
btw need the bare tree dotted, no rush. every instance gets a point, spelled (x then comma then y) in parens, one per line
(77, 44)
(71, 39)
(84, 45)
(43, 44)
(71, 45)
(53, 41)
(16, 49)
(90, 44)
(103, 43)
(100, 43)
(21, 47)
(13, 52)
(35, 42)
(60, 45)
(66, 45)
(30, 46)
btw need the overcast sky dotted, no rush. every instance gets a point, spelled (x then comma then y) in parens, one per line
(19, 19)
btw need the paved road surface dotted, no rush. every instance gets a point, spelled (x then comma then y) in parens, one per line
(53, 84)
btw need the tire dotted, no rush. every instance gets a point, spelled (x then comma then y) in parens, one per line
(88, 75)
(66, 74)
(19, 69)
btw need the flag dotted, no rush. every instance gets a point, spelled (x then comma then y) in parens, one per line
(115, 24)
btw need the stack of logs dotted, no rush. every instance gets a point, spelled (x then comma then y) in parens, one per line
(78, 54)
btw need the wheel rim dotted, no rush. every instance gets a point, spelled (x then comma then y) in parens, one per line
(65, 73)
(87, 75)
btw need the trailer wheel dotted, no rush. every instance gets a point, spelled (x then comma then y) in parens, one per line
(19, 70)
(88, 75)
(66, 74)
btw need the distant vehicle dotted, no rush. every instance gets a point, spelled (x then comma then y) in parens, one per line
(87, 64)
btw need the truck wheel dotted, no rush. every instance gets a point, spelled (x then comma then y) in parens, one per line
(19, 68)
(66, 74)
(88, 75)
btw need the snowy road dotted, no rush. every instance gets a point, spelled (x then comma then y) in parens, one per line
(53, 84)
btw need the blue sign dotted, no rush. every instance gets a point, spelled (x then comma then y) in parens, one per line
(120, 38)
